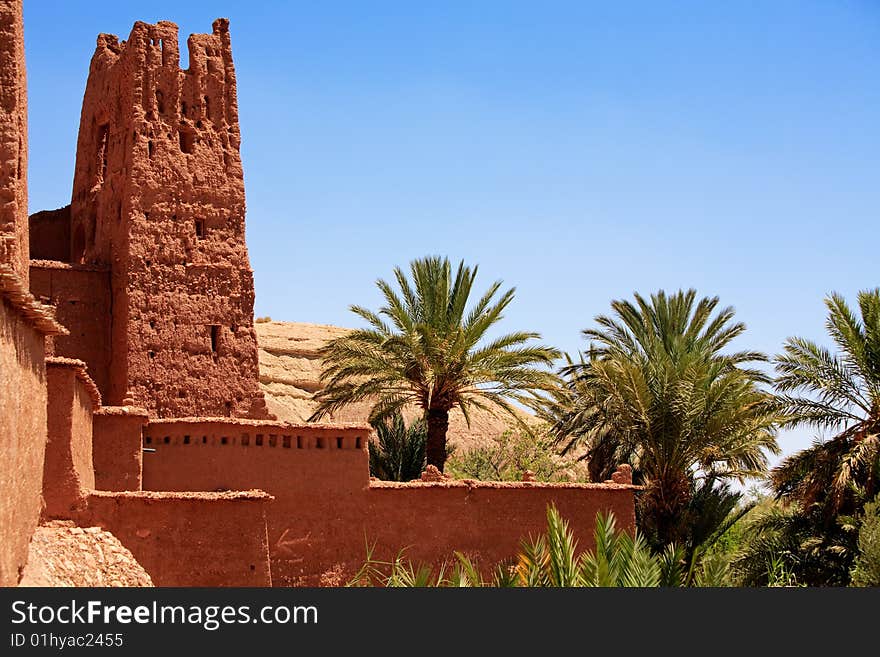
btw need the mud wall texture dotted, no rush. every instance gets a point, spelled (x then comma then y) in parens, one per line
(22, 436)
(81, 296)
(13, 141)
(180, 539)
(159, 197)
(68, 473)
(319, 540)
(50, 235)
(485, 520)
(326, 508)
(117, 452)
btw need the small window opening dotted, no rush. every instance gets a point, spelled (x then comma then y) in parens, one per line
(187, 140)
(259, 440)
(273, 440)
(224, 440)
(339, 443)
(150, 149)
(183, 108)
(160, 101)
(245, 440)
(207, 103)
(285, 442)
(151, 354)
(215, 339)
(148, 440)
(320, 443)
(299, 442)
(167, 440)
(357, 443)
(204, 439)
(186, 440)
(200, 228)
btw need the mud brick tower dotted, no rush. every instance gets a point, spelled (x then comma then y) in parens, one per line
(13, 142)
(158, 202)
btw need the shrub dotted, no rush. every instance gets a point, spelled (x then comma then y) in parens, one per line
(866, 571)
(398, 452)
(509, 455)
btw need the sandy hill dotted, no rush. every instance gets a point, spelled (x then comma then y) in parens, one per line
(290, 371)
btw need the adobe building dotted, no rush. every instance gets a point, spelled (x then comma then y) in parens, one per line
(134, 440)
(158, 293)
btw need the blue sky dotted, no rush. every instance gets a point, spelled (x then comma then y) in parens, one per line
(579, 151)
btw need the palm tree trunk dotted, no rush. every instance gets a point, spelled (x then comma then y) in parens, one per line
(435, 448)
(664, 504)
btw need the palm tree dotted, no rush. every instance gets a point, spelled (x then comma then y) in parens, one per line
(839, 393)
(426, 347)
(398, 453)
(656, 389)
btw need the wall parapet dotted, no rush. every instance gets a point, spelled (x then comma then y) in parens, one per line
(81, 372)
(252, 494)
(13, 290)
(58, 264)
(256, 433)
(487, 485)
(187, 538)
(128, 411)
(117, 452)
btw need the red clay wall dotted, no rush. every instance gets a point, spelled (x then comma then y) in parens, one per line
(50, 234)
(325, 507)
(486, 520)
(318, 540)
(199, 454)
(117, 451)
(22, 437)
(81, 296)
(68, 473)
(189, 539)
(13, 141)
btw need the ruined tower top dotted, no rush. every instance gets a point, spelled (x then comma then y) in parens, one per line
(13, 141)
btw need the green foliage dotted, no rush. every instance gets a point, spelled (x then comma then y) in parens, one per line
(659, 390)
(836, 392)
(619, 559)
(782, 548)
(867, 565)
(812, 539)
(398, 451)
(427, 347)
(509, 455)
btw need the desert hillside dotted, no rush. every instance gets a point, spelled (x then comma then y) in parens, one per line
(290, 370)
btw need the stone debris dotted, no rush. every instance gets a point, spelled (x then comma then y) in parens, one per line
(61, 554)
